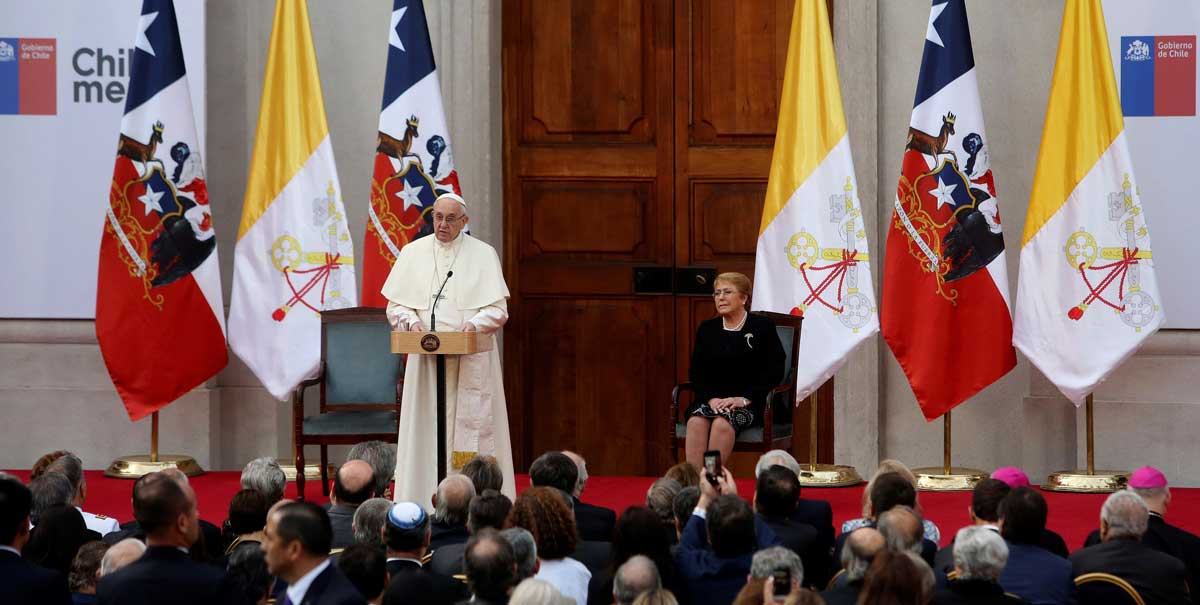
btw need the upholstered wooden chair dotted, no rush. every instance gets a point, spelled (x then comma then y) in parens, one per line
(1098, 587)
(361, 381)
(776, 429)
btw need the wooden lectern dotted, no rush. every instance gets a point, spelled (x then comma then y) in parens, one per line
(440, 344)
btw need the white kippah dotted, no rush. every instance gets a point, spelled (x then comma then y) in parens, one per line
(453, 196)
(406, 515)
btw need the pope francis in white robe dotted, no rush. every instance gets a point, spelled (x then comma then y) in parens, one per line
(473, 299)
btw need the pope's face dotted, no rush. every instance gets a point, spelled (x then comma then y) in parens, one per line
(449, 218)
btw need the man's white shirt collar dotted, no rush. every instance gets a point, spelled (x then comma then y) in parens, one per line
(296, 591)
(10, 549)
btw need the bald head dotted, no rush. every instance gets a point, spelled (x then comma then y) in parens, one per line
(453, 500)
(902, 529)
(354, 483)
(860, 549)
(635, 576)
(581, 465)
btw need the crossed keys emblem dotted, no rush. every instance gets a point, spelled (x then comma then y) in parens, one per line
(1119, 266)
(850, 306)
(321, 275)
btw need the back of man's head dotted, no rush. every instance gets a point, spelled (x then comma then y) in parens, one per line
(635, 576)
(777, 492)
(407, 528)
(121, 554)
(979, 554)
(524, 550)
(265, 476)
(454, 495)
(382, 459)
(1123, 516)
(366, 568)
(660, 498)
(248, 512)
(488, 509)
(15, 503)
(730, 526)
(490, 566)
(50, 490)
(902, 529)
(860, 550)
(484, 473)
(776, 457)
(354, 483)
(683, 505)
(158, 501)
(986, 498)
(71, 467)
(554, 469)
(769, 560)
(369, 518)
(1023, 512)
(889, 490)
(307, 523)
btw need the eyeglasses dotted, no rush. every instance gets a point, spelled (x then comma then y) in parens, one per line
(448, 218)
(726, 292)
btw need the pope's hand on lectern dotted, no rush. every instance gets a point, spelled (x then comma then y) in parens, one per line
(416, 327)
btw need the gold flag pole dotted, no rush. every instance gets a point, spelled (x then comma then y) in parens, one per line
(823, 475)
(136, 465)
(947, 478)
(1088, 480)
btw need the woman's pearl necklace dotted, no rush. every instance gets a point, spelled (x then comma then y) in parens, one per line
(738, 327)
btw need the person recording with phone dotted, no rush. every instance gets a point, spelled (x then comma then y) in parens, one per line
(718, 542)
(736, 360)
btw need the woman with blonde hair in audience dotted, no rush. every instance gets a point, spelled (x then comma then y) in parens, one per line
(932, 533)
(657, 596)
(532, 591)
(685, 473)
(544, 512)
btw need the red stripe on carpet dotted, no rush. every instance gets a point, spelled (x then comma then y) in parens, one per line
(1072, 515)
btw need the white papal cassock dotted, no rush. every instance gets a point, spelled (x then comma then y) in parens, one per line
(476, 413)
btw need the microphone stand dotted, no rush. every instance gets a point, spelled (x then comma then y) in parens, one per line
(441, 386)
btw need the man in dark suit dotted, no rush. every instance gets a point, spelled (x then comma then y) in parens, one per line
(406, 535)
(716, 547)
(860, 549)
(1149, 483)
(366, 568)
(488, 509)
(1050, 539)
(353, 484)
(166, 511)
(208, 546)
(22, 582)
(979, 557)
(451, 506)
(775, 498)
(1158, 577)
(567, 471)
(1032, 573)
(817, 513)
(889, 491)
(491, 568)
(983, 512)
(297, 542)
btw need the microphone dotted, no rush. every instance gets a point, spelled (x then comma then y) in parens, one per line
(433, 309)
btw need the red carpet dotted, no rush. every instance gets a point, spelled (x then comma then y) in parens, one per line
(1072, 515)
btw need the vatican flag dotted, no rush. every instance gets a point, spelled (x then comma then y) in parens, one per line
(1086, 297)
(293, 257)
(812, 256)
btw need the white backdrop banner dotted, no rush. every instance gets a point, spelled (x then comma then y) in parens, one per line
(64, 66)
(1153, 45)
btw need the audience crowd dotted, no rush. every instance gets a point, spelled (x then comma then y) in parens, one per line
(695, 541)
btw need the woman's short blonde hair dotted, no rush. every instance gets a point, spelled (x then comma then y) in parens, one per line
(739, 281)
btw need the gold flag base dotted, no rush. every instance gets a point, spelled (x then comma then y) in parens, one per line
(1082, 482)
(936, 479)
(133, 467)
(312, 472)
(828, 475)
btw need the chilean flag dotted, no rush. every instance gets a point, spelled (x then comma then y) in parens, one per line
(413, 159)
(158, 300)
(945, 311)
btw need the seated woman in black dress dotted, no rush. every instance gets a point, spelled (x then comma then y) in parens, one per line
(736, 360)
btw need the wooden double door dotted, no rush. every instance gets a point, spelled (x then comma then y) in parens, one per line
(637, 143)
